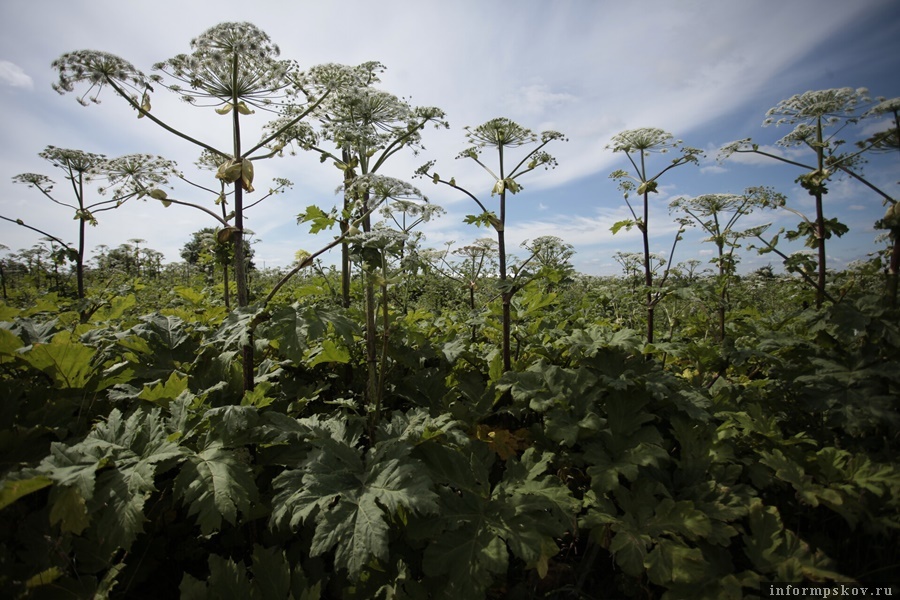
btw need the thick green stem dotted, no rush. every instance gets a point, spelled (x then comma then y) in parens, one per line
(894, 268)
(820, 221)
(723, 293)
(372, 395)
(505, 295)
(345, 227)
(648, 271)
(240, 268)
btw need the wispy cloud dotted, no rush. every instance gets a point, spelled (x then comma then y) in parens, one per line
(536, 99)
(12, 74)
(586, 69)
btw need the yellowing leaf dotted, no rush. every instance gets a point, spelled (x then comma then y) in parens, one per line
(247, 174)
(226, 234)
(229, 171)
(9, 343)
(68, 363)
(502, 441)
(45, 577)
(163, 393)
(647, 187)
(145, 105)
(70, 511)
(13, 490)
(330, 352)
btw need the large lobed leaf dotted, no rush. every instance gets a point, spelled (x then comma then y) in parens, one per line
(216, 484)
(352, 500)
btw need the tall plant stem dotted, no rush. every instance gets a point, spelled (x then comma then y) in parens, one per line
(505, 295)
(820, 221)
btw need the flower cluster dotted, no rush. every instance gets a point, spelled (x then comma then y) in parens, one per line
(289, 132)
(417, 210)
(74, 161)
(365, 118)
(98, 69)
(134, 174)
(42, 182)
(500, 132)
(743, 145)
(231, 63)
(645, 139)
(379, 188)
(379, 238)
(831, 106)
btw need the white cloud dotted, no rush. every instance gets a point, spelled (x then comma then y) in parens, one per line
(713, 169)
(586, 69)
(536, 99)
(12, 74)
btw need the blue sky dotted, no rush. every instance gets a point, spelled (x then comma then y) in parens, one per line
(706, 71)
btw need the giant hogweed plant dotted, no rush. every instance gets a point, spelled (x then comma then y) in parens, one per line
(137, 465)
(819, 117)
(362, 127)
(234, 69)
(501, 135)
(717, 215)
(121, 178)
(174, 464)
(638, 145)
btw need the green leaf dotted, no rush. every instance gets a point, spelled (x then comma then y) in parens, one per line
(320, 219)
(295, 330)
(76, 467)
(485, 219)
(271, 573)
(109, 581)
(618, 225)
(227, 579)
(13, 490)
(70, 511)
(679, 517)
(630, 547)
(216, 485)
(775, 550)
(190, 294)
(117, 308)
(45, 577)
(163, 393)
(647, 187)
(358, 530)
(258, 397)
(163, 332)
(9, 343)
(466, 561)
(328, 352)
(120, 501)
(134, 448)
(68, 363)
(673, 562)
(192, 588)
(352, 500)
(234, 333)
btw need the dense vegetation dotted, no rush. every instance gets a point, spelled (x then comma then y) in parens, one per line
(416, 423)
